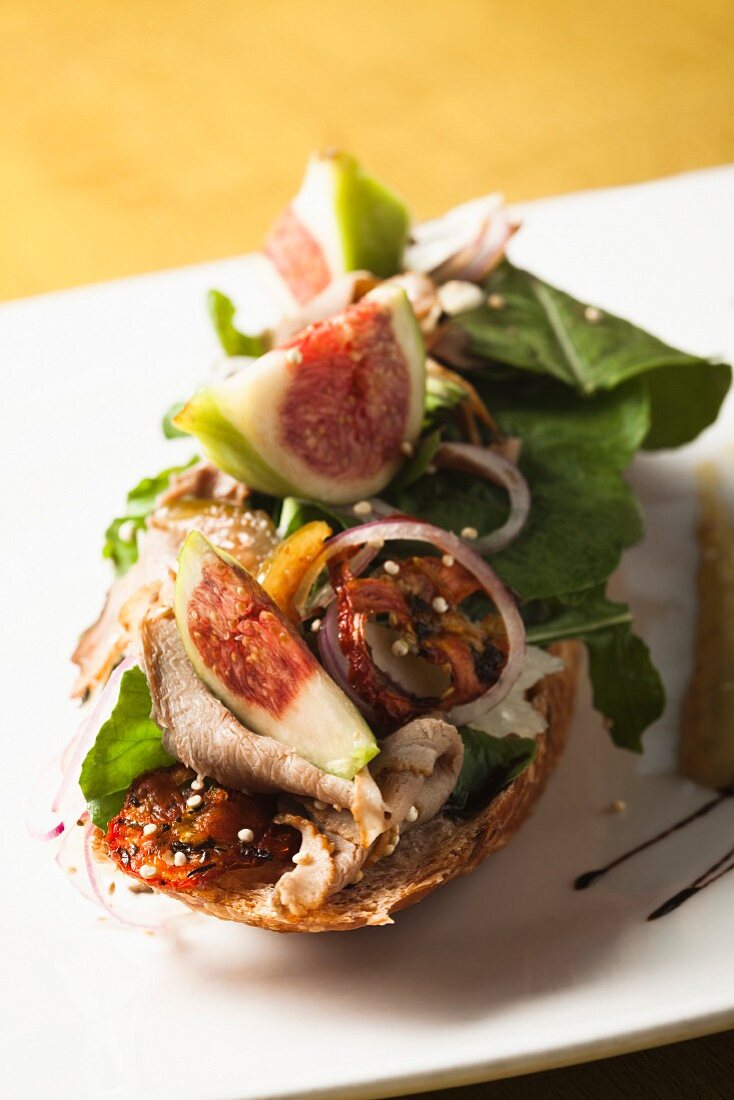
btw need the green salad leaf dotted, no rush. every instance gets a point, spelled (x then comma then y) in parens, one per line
(583, 512)
(416, 467)
(128, 744)
(234, 342)
(626, 686)
(546, 331)
(490, 763)
(121, 537)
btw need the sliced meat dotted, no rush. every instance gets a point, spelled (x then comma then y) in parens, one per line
(205, 482)
(418, 767)
(204, 734)
(202, 498)
(324, 865)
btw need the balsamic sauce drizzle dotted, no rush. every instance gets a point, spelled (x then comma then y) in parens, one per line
(705, 879)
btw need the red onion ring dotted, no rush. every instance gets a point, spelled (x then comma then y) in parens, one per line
(496, 468)
(388, 530)
(90, 728)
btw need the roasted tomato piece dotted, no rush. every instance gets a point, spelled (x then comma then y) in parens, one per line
(419, 599)
(173, 830)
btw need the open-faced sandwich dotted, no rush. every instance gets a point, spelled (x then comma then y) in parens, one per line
(339, 659)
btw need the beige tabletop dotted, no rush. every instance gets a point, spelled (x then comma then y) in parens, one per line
(152, 133)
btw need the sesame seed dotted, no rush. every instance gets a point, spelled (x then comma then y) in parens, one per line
(439, 604)
(469, 533)
(180, 859)
(400, 647)
(198, 783)
(337, 808)
(362, 508)
(150, 828)
(194, 801)
(592, 314)
(495, 301)
(359, 876)
(71, 870)
(303, 857)
(319, 805)
(376, 543)
(457, 296)
(111, 888)
(126, 530)
(617, 806)
(391, 568)
(294, 356)
(246, 836)
(390, 849)
(448, 560)
(412, 814)
(316, 626)
(147, 871)
(168, 857)
(407, 448)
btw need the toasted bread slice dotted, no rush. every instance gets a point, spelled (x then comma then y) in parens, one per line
(445, 847)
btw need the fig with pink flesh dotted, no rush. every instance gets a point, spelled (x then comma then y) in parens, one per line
(254, 660)
(340, 220)
(324, 416)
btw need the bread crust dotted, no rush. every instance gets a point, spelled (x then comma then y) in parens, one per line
(427, 857)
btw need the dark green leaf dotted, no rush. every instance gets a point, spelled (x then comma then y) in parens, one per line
(128, 744)
(234, 342)
(419, 463)
(586, 613)
(541, 328)
(583, 513)
(295, 513)
(121, 537)
(626, 686)
(490, 763)
(683, 401)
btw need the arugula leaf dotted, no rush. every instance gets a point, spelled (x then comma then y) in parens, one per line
(234, 342)
(683, 401)
(121, 537)
(626, 686)
(295, 513)
(544, 330)
(419, 463)
(583, 513)
(128, 744)
(585, 613)
(490, 763)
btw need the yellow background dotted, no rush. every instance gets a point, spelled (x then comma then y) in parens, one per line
(148, 133)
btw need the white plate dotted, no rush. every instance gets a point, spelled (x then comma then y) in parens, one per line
(504, 972)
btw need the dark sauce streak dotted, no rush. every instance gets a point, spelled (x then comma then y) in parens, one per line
(701, 882)
(698, 884)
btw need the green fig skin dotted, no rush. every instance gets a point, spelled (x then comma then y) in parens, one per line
(248, 427)
(265, 673)
(373, 222)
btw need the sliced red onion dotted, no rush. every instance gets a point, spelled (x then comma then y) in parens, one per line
(464, 244)
(102, 708)
(68, 803)
(406, 530)
(488, 463)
